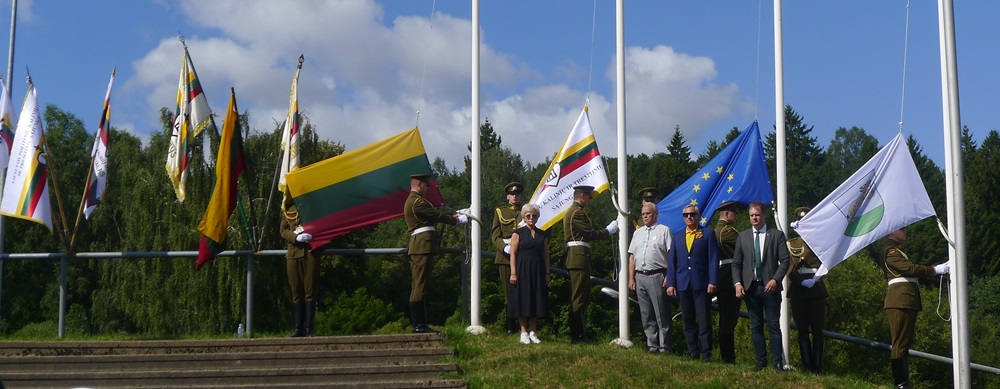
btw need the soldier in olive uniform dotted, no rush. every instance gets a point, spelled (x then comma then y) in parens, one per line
(808, 300)
(303, 270)
(728, 304)
(902, 301)
(646, 196)
(579, 232)
(421, 216)
(505, 221)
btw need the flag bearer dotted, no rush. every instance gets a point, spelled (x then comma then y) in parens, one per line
(505, 221)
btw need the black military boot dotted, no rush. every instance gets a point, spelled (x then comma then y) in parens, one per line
(418, 317)
(818, 355)
(806, 352)
(900, 373)
(310, 329)
(573, 331)
(581, 323)
(297, 313)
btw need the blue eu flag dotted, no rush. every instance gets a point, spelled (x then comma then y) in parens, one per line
(738, 173)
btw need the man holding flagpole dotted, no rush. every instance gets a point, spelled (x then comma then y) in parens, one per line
(579, 232)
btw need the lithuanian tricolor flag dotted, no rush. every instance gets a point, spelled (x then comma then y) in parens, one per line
(228, 167)
(359, 188)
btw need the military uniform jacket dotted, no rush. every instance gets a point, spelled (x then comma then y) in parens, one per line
(802, 257)
(578, 228)
(505, 220)
(902, 295)
(287, 230)
(420, 213)
(725, 234)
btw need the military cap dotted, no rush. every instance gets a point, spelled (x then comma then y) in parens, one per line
(584, 188)
(728, 206)
(801, 212)
(421, 176)
(513, 188)
(650, 192)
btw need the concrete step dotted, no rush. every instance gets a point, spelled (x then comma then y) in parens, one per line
(382, 361)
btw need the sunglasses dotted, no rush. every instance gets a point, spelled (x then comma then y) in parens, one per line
(690, 214)
(530, 216)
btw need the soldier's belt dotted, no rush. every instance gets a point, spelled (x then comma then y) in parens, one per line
(506, 241)
(422, 230)
(726, 262)
(577, 243)
(902, 279)
(807, 270)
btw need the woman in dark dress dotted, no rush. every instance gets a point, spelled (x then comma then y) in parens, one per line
(529, 275)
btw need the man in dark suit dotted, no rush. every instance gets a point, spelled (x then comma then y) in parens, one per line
(691, 274)
(759, 264)
(505, 221)
(902, 301)
(579, 232)
(729, 305)
(421, 218)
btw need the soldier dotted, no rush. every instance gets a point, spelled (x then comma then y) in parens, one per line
(303, 270)
(902, 301)
(505, 220)
(808, 302)
(421, 217)
(728, 304)
(646, 196)
(579, 232)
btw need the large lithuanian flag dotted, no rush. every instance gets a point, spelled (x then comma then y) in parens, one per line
(359, 188)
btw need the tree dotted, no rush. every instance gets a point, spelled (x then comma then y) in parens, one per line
(806, 181)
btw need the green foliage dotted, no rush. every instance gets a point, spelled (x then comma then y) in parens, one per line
(357, 313)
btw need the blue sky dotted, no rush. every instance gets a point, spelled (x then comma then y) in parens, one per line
(706, 66)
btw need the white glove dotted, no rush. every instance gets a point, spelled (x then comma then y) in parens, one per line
(298, 230)
(303, 237)
(466, 211)
(506, 249)
(808, 283)
(461, 219)
(612, 227)
(943, 268)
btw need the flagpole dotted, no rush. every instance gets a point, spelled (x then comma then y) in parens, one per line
(476, 176)
(3, 173)
(955, 191)
(781, 163)
(623, 328)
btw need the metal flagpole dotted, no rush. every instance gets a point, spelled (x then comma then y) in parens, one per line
(955, 193)
(3, 173)
(623, 338)
(780, 162)
(475, 327)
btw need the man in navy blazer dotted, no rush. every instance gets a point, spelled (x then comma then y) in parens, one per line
(759, 264)
(691, 275)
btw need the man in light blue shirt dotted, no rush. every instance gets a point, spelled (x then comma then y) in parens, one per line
(647, 266)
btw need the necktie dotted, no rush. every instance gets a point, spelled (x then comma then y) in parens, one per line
(645, 245)
(756, 253)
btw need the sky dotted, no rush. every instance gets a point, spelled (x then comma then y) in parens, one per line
(371, 66)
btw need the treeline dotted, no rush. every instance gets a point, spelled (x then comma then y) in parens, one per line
(166, 297)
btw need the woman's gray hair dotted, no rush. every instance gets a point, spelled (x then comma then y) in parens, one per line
(527, 207)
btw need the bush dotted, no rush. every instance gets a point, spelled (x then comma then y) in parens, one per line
(355, 314)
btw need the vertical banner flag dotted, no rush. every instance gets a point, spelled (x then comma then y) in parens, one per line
(290, 134)
(191, 116)
(7, 121)
(738, 173)
(577, 163)
(360, 187)
(884, 195)
(230, 164)
(97, 182)
(26, 190)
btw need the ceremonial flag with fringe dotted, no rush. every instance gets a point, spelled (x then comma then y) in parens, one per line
(231, 163)
(577, 163)
(26, 190)
(290, 134)
(738, 173)
(7, 121)
(360, 187)
(97, 182)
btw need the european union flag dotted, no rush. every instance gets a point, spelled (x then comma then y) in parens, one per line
(738, 173)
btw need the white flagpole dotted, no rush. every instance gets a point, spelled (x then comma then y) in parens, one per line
(10, 72)
(780, 163)
(475, 327)
(955, 191)
(622, 177)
